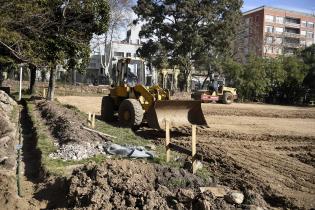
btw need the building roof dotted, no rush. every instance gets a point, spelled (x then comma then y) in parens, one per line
(274, 8)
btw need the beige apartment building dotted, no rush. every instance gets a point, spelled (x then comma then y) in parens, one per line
(270, 32)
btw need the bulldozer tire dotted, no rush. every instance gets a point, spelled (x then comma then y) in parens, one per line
(130, 113)
(107, 109)
(227, 98)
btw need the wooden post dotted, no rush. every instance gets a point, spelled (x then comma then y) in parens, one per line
(93, 120)
(167, 141)
(193, 148)
(44, 92)
(89, 119)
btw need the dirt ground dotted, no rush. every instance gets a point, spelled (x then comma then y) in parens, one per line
(267, 149)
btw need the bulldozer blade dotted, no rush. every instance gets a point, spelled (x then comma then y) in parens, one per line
(178, 113)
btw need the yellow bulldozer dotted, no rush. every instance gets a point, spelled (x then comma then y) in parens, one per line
(136, 103)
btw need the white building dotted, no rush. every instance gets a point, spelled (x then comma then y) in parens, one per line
(122, 49)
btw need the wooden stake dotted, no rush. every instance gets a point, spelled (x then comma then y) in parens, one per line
(167, 141)
(93, 120)
(100, 133)
(44, 93)
(89, 119)
(193, 147)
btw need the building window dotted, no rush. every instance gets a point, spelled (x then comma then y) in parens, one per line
(277, 50)
(268, 29)
(93, 65)
(278, 40)
(247, 21)
(269, 18)
(309, 43)
(245, 50)
(309, 35)
(256, 18)
(128, 54)
(302, 42)
(303, 33)
(269, 49)
(269, 39)
(119, 54)
(278, 30)
(303, 23)
(310, 25)
(279, 20)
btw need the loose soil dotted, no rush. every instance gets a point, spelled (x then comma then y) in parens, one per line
(66, 124)
(265, 149)
(126, 184)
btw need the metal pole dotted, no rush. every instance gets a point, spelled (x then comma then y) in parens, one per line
(20, 92)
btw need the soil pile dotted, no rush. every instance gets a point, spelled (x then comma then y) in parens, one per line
(8, 140)
(125, 184)
(65, 125)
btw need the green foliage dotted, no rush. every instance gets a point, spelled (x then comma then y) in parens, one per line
(182, 32)
(284, 78)
(48, 32)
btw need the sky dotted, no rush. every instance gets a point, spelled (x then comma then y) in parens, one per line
(307, 6)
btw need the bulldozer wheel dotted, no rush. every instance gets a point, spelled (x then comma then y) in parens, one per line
(130, 113)
(227, 98)
(107, 109)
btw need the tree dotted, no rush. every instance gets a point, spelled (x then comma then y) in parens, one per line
(308, 56)
(184, 31)
(255, 81)
(296, 71)
(51, 31)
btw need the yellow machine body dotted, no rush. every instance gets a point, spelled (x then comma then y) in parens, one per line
(152, 104)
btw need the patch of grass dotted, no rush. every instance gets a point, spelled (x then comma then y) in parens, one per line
(176, 182)
(204, 173)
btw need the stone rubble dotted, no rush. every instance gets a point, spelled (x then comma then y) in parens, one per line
(76, 151)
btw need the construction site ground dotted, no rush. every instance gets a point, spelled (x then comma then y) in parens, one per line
(266, 149)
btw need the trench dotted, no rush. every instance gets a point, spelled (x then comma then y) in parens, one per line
(37, 186)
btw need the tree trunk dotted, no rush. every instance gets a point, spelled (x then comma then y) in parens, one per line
(74, 76)
(51, 85)
(32, 79)
(1, 78)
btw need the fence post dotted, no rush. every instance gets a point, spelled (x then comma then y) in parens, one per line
(167, 140)
(89, 119)
(193, 147)
(93, 120)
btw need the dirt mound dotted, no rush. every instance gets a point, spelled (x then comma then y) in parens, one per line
(6, 102)
(124, 184)
(66, 124)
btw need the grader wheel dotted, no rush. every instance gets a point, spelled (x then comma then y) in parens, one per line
(130, 113)
(107, 109)
(227, 98)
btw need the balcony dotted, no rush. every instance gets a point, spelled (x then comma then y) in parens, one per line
(292, 22)
(291, 45)
(293, 35)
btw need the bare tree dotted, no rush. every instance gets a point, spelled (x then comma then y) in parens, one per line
(120, 17)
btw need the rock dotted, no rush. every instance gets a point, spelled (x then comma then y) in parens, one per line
(205, 205)
(6, 102)
(234, 197)
(151, 147)
(185, 195)
(199, 165)
(218, 191)
(253, 207)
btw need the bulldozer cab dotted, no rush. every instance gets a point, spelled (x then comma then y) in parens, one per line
(129, 71)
